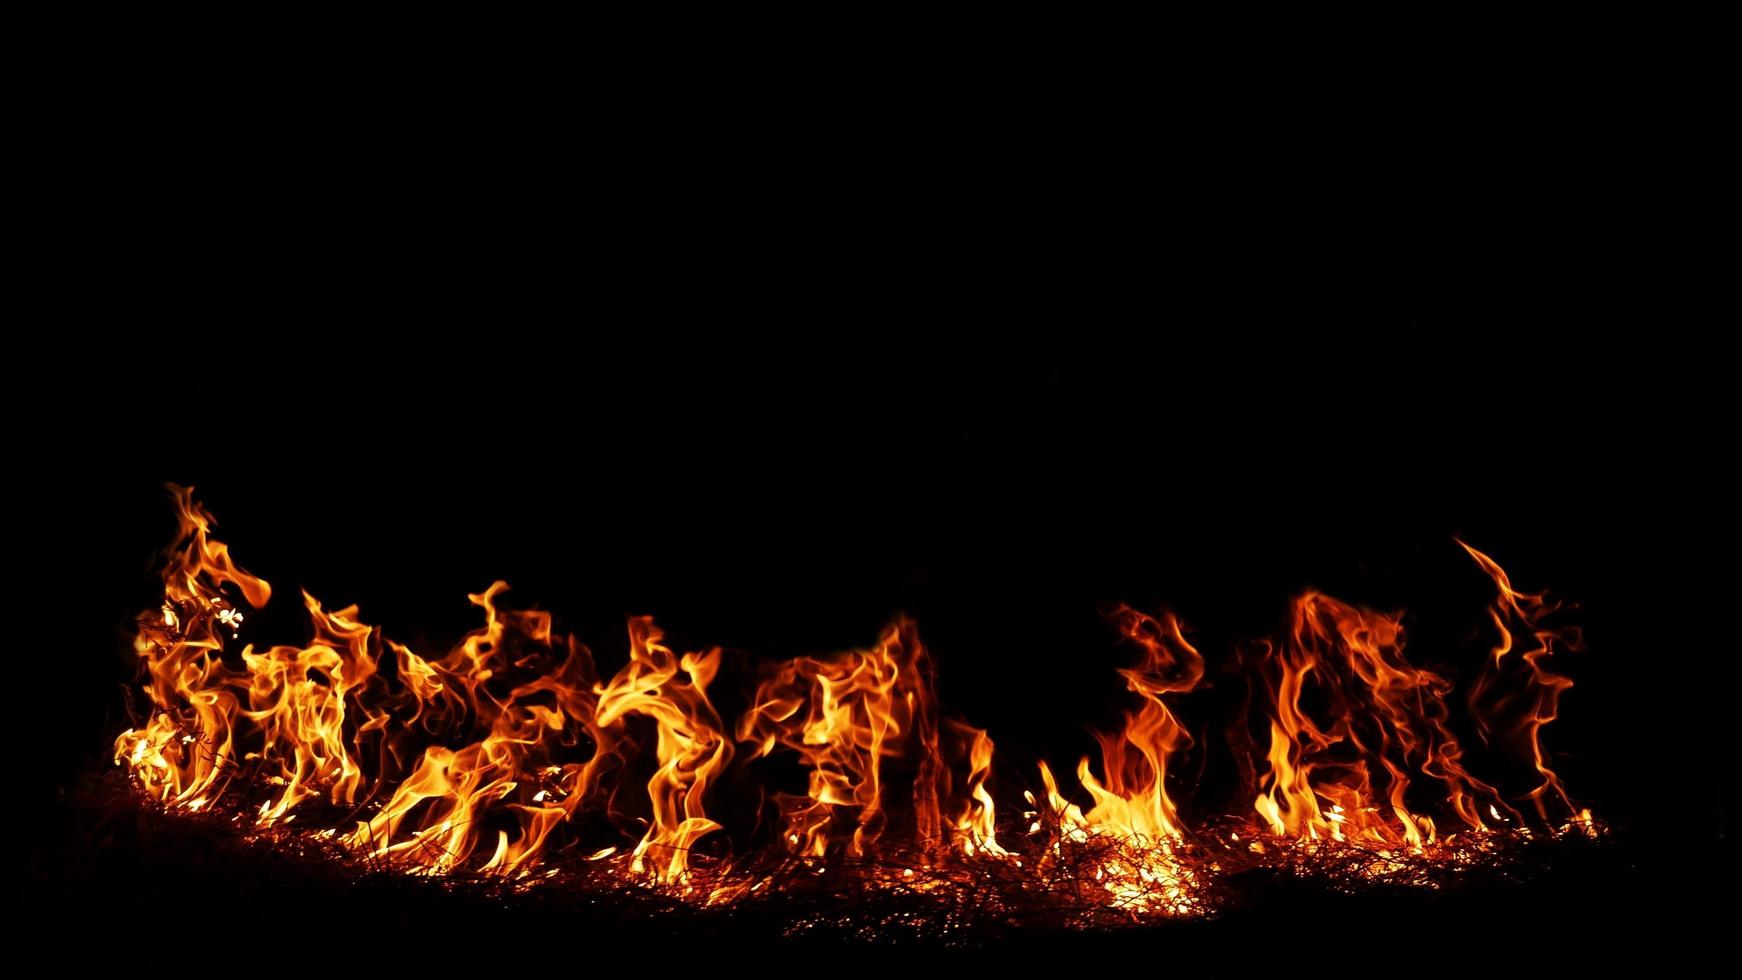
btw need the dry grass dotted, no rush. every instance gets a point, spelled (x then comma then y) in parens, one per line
(1042, 888)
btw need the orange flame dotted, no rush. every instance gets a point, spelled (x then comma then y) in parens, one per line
(977, 827)
(691, 749)
(474, 760)
(1342, 771)
(844, 715)
(1134, 805)
(1345, 775)
(514, 768)
(1516, 613)
(185, 755)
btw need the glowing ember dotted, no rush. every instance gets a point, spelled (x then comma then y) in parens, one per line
(510, 752)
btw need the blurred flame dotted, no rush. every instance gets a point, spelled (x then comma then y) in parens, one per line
(1535, 702)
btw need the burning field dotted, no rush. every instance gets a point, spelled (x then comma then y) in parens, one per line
(834, 792)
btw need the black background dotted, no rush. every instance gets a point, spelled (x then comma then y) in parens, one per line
(997, 390)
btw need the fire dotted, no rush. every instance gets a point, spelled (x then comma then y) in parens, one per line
(1134, 805)
(1347, 774)
(692, 750)
(1517, 614)
(844, 716)
(977, 827)
(187, 750)
(431, 822)
(1357, 733)
(510, 753)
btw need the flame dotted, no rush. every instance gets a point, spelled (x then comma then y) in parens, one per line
(297, 698)
(843, 716)
(432, 821)
(1133, 806)
(1135, 802)
(1342, 770)
(1515, 614)
(187, 749)
(510, 749)
(977, 827)
(691, 749)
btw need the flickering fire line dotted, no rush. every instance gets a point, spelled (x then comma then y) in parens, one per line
(510, 747)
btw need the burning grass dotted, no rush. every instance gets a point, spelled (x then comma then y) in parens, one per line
(956, 902)
(511, 765)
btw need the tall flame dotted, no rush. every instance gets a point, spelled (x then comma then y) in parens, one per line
(1133, 805)
(843, 716)
(186, 752)
(433, 821)
(691, 749)
(1515, 614)
(1346, 773)
(1352, 722)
